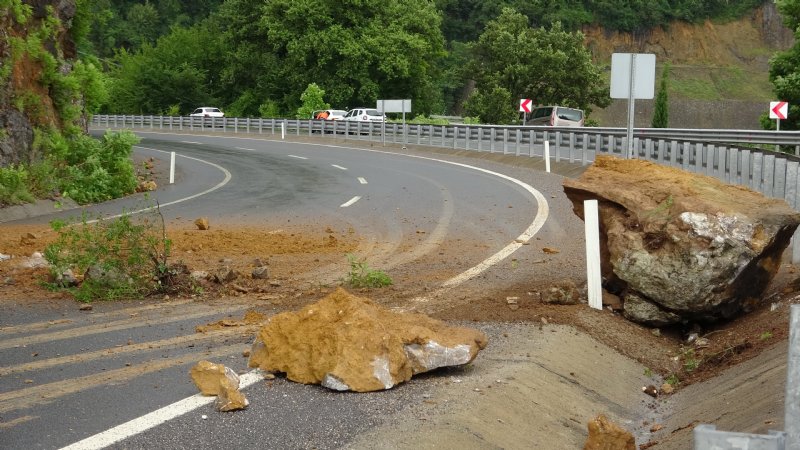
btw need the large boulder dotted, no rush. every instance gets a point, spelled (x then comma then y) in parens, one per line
(346, 342)
(678, 246)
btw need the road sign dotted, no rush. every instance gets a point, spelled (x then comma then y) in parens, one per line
(633, 75)
(394, 106)
(525, 105)
(778, 110)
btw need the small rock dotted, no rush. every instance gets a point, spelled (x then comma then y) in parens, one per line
(204, 417)
(275, 283)
(258, 262)
(656, 427)
(9, 281)
(239, 288)
(85, 308)
(269, 376)
(201, 223)
(650, 390)
(701, 343)
(216, 379)
(655, 332)
(225, 275)
(550, 250)
(4, 257)
(544, 320)
(692, 337)
(667, 388)
(199, 275)
(604, 434)
(260, 273)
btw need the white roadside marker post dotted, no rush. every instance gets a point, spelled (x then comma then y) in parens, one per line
(593, 279)
(171, 167)
(547, 156)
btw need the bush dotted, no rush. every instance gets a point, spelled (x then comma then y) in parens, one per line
(14, 186)
(99, 170)
(129, 253)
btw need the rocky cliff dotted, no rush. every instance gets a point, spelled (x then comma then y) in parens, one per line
(34, 35)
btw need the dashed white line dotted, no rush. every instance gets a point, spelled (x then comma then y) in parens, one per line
(351, 201)
(295, 156)
(157, 417)
(245, 148)
(362, 180)
(192, 142)
(339, 167)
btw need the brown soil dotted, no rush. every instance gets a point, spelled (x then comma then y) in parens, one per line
(290, 255)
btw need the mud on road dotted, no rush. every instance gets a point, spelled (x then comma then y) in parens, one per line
(558, 365)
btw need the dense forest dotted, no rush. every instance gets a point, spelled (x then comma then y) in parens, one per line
(256, 58)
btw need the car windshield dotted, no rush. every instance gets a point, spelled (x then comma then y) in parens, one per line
(570, 114)
(338, 112)
(373, 112)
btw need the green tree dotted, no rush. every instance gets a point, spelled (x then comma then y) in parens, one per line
(661, 107)
(180, 69)
(356, 51)
(493, 106)
(549, 66)
(312, 100)
(784, 71)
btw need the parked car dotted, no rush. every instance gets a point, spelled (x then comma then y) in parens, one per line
(332, 114)
(365, 115)
(556, 116)
(207, 111)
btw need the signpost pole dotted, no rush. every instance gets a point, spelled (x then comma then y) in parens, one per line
(631, 102)
(405, 134)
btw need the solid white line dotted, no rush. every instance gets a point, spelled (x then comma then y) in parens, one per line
(295, 156)
(157, 417)
(244, 148)
(350, 202)
(212, 189)
(192, 142)
(339, 167)
(362, 180)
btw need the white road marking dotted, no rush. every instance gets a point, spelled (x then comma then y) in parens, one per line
(362, 180)
(212, 189)
(245, 148)
(350, 202)
(339, 167)
(157, 417)
(295, 156)
(192, 142)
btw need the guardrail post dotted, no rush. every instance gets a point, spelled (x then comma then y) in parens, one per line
(235, 125)
(247, 125)
(455, 137)
(467, 135)
(505, 140)
(585, 149)
(572, 144)
(531, 142)
(558, 146)
(517, 133)
(492, 137)
(480, 138)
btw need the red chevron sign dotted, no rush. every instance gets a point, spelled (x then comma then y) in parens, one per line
(778, 110)
(525, 105)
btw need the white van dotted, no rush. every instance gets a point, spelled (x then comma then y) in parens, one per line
(555, 116)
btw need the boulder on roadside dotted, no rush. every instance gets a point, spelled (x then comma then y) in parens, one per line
(686, 244)
(345, 342)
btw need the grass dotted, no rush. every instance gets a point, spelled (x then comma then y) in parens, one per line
(362, 276)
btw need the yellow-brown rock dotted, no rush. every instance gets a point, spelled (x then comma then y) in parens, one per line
(606, 435)
(201, 223)
(221, 381)
(346, 342)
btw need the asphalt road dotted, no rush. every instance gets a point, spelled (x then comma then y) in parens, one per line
(67, 375)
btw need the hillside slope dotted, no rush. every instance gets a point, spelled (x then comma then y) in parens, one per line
(719, 71)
